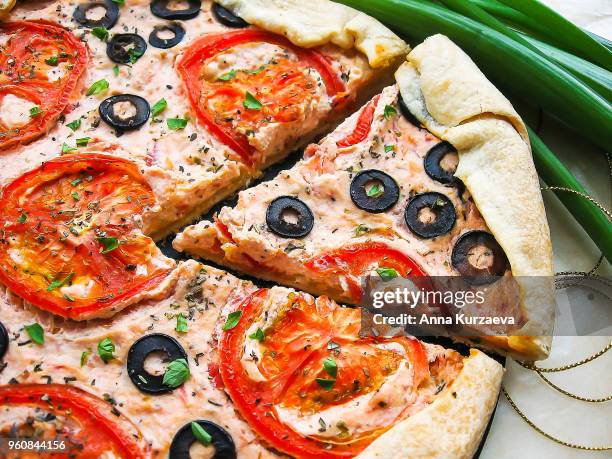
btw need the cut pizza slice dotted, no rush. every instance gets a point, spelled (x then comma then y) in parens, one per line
(301, 379)
(432, 177)
(210, 101)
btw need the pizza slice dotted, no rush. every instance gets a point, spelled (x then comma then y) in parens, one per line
(432, 177)
(262, 373)
(204, 98)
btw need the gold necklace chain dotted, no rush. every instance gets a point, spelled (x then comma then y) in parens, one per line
(569, 366)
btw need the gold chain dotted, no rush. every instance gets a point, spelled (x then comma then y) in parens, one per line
(530, 366)
(569, 394)
(547, 435)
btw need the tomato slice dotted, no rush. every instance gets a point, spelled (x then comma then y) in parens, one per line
(305, 335)
(356, 260)
(40, 62)
(70, 241)
(362, 128)
(82, 422)
(281, 87)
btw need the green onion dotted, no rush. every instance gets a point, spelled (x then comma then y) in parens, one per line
(521, 69)
(200, 434)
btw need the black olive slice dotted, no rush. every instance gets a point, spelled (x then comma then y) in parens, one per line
(227, 18)
(407, 113)
(107, 21)
(281, 210)
(4, 340)
(160, 9)
(479, 257)
(433, 166)
(164, 43)
(430, 215)
(155, 342)
(374, 191)
(221, 441)
(125, 47)
(110, 117)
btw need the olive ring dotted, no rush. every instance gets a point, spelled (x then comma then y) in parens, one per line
(439, 205)
(221, 441)
(108, 115)
(277, 223)
(374, 200)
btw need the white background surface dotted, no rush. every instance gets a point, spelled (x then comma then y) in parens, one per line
(558, 415)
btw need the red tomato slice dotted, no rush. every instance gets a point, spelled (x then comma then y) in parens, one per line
(362, 128)
(282, 87)
(293, 352)
(84, 423)
(32, 49)
(70, 241)
(356, 260)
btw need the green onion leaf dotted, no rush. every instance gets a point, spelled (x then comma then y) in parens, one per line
(98, 87)
(251, 103)
(100, 32)
(159, 107)
(330, 366)
(389, 111)
(60, 282)
(232, 320)
(201, 435)
(176, 124)
(109, 244)
(176, 373)
(258, 335)
(36, 333)
(74, 125)
(106, 349)
(386, 274)
(181, 323)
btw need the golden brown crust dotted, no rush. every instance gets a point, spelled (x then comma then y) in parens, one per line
(447, 92)
(318, 22)
(5, 8)
(452, 426)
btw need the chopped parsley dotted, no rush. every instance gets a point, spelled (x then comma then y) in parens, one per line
(76, 181)
(159, 107)
(106, 349)
(109, 244)
(35, 111)
(386, 274)
(330, 366)
(84, 357)
(360, 230)
(98, 87)
(82, 142)
(60, 282)
(258, 335)
(251, 102)
(75, 195)
(389, 111)
(389, 148)
(201, 435)
(181, 323)
(100, 32)
(227, 76)
(176, 124)
(176, 373)
(232, 320)
(74, 125)
(375, 191)
(36, 333)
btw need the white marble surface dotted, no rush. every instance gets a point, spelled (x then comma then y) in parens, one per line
(570, 420)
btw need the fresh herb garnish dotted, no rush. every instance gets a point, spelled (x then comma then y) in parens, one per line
(386, 274)
(176, 124)
(181, 323)
(227, 76)
(176, 373)
(100, 32)
(258, 335)
(76, 181)
(119, 2)
(109, 243)
(74, 125)
(35, 111)
(330, 366)
(98, 87)
(52, 61)
(75, 195)
(389, 148)
(159, 107)
(84, 357)
(251, 102)
(360, 230)
(116, 70)
(36, 333)
(106, 348)
(326, 384)
(375, 191)
(232, 320)
(22, 218)
(82, 142)
(389, 111)
(67, 148)
(60, 282)
(201, 435)
(134, 55)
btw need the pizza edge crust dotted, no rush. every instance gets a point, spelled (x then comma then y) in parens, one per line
(453, 425)
(5, 8)
(318, 22)
(447, 92)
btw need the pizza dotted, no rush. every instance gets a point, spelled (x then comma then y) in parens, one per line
(433, 177)
(265, 372)
(201, 99)
(123, 122)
